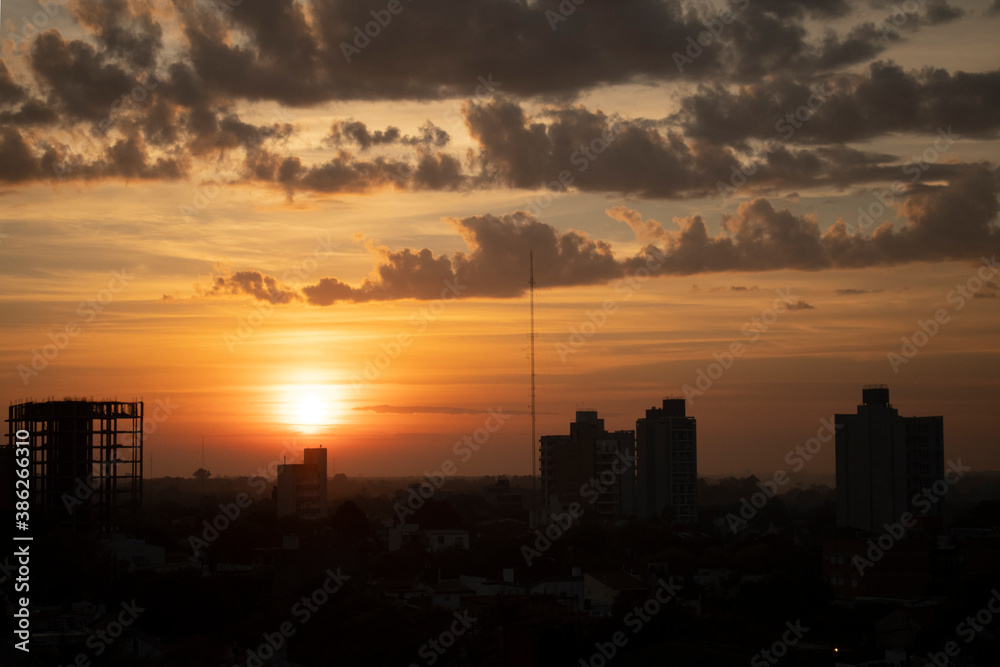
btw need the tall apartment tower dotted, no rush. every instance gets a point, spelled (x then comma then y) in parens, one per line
(570, 463)
(883, 461)
(84, 460)
(302, 486)
(667, 462)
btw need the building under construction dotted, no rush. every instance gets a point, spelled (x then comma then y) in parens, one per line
(85, 463)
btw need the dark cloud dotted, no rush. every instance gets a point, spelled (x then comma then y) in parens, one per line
(356, 132)
(345, 173)
(17, 162)
(847, 107)
(939, 11)
(956, 221)
(305, 53)
(292, 52)
(801, 305)
(128, 32)
(81, 81)
(252, 283)
(597, 152)
(855, 292)
(10, 92)
(495, 265)
(899, 19)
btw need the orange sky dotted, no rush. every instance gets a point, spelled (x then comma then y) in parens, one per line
(254, 376)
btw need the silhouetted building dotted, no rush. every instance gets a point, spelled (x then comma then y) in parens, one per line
(302, 486)
(884, 461)
(85, 460)
(667, 463)
(590, 466)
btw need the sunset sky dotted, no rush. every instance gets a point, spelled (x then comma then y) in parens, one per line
(283, 232)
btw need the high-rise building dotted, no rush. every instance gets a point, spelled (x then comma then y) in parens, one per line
(667, 463)
(570, 464)
(883, 461)
(302, 486)
(84, 460)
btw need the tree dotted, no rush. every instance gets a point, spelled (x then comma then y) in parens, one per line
(201, 474)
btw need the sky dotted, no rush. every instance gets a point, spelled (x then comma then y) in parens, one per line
(285, 224)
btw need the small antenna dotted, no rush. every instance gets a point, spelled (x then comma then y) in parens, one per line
(531, 288)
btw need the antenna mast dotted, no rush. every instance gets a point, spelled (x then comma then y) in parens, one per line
(531, 288)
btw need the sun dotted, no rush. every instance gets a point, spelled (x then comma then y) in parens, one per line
(311, 411)
(311, 407)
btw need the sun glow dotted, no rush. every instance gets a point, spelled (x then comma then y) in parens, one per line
(311, 408)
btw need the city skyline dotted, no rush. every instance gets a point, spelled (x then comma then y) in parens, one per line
(308, 224)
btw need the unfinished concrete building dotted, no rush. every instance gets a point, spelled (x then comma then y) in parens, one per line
(85, 460)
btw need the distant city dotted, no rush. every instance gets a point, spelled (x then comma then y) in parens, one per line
(622, 553)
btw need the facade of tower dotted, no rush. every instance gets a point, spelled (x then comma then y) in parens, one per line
(571, 464)
(667, 463)
(883, 461)
(84, 460)
(302, 486)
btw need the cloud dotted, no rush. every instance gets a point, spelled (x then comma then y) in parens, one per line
(956, 221)
(851, 107)
(855, 292)
(800, 305)
(495, 265)
(124, 29)
(352, 131)
(645, 231)
(252, 283)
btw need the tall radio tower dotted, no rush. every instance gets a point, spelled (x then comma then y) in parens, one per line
(531, 289)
